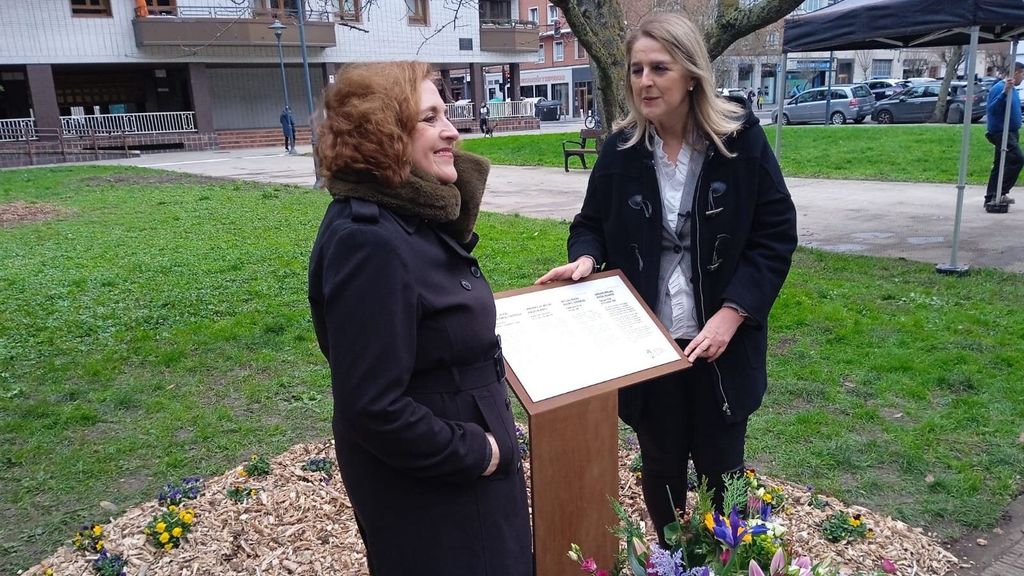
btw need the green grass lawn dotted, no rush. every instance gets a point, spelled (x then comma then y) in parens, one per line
(159, 328)
(916, 153)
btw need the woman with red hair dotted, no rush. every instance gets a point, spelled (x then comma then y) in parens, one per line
(422, 424)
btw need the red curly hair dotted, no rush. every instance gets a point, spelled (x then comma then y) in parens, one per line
(371, 112)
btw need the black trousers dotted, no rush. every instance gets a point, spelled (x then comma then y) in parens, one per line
(681, 419)
(1014, 163)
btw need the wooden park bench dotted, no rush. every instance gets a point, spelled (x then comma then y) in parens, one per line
(580, 148)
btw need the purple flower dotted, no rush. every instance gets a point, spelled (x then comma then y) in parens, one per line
(661, 562)
(589, 565)
(733, 530)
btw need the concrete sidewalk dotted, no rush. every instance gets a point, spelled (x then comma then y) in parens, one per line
(899, 220)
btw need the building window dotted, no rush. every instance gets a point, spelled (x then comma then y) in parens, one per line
(418, 12)
(540, 53)
(559, 52)
(350, 10)
(772, 40)
(533, 14)
(881, 68)
(581, 52)
(161, 7)
(552, 14)
(90, 7)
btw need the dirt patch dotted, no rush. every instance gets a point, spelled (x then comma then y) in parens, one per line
(783, 345)
(14, 213)
(150, 178)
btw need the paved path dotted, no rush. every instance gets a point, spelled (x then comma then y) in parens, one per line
(912, 221)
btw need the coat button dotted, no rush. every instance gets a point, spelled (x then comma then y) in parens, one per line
(475, 272)
(677, 248)
(508, 403)
(466, 285)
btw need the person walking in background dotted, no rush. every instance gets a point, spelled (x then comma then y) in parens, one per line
(760, 98)
(288, 128)
(750, 98)
(423, 432)
(996, 119)
(485, 120)
(688, 200)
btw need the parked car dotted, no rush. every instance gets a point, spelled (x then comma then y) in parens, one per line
(919, 81)
(917, 103)
(882, 88)
(848, 102)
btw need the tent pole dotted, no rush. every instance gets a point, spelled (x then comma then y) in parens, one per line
(965, 143)
(1006, 127)
(781, 101)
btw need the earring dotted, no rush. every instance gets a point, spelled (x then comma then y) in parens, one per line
(691, 89)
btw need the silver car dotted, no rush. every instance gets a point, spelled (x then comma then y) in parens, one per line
(846, 102)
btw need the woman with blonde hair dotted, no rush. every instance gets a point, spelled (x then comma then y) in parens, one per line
(424, 437)
(687, 199)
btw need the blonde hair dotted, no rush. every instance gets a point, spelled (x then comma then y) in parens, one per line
(710, 116)
(370, 114)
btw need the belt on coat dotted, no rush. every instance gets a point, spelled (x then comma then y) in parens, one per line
(448, 379)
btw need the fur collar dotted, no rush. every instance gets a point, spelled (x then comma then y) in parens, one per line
(454, 207)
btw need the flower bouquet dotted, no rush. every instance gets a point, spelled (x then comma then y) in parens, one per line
(748, 540)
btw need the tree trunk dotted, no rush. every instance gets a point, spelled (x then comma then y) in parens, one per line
(939, 115)
(600, 26)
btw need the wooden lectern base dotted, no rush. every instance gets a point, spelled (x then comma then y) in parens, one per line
(574, 471)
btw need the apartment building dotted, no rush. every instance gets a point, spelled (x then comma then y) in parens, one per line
(561, 68)
(204, 73)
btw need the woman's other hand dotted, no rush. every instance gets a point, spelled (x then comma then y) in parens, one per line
(581, 268)
(715, 336)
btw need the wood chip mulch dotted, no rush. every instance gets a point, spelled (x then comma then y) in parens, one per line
(301, 523)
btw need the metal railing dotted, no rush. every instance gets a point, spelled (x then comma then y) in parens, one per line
(139, 123)
(236, 12)
(18, 129)
(508, 23)
(459, 111)
(508, 109)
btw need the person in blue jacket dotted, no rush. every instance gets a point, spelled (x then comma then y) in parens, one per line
(688, 201)
(288, 129)
(996, 118)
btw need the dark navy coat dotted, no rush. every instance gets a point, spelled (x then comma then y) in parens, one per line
(742, 239)
(406, 320)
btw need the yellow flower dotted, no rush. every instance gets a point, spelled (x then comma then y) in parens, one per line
(99, 545)
(168, 546)
(172, 508)
(48, 572)
(870, 534)
(165, 537)
(709, 521)
(243, 473)
(160, 526)
(176, 532)
(97, 529)
(186, 517)
(767, 497)
(854, 522)
(749, 473)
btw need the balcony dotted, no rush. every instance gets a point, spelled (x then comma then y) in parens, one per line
(508, 35)
(229, 26)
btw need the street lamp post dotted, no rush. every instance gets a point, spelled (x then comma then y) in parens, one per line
(279, 29)
(309, 91)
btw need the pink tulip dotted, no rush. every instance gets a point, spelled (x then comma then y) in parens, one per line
(601, 572)
(888, 567)
(778, 566)
(589, 566)
(725, 555)
(754, 569)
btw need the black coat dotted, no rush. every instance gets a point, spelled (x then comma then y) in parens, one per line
(740, 254)
(407, 323)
